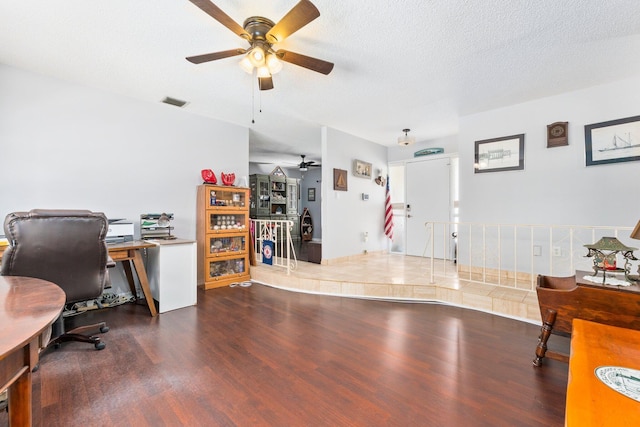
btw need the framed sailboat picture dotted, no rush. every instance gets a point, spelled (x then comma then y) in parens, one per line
(613, 141)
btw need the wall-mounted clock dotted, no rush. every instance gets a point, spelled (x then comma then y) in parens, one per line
(557, 134)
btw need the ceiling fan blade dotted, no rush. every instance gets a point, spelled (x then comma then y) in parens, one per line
(199, 59)
(216, 13)
(312, 64)
(265, 83)
(301, 14)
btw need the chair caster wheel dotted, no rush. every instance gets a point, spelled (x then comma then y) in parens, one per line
(104, 329)
(100, 345)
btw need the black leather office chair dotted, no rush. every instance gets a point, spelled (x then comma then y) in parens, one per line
(65, 247)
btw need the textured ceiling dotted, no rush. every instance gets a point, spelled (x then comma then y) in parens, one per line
(419, 64)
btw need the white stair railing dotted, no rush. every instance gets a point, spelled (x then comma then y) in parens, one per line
(512, 255)
(278, 232)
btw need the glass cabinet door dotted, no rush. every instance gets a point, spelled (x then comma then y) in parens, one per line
(263, 194)
(220, 197)
(227, 267)
(224, 221)
(292, 196)
(226, 245)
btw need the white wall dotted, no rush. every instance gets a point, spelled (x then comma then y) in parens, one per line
(555, 187)
(345, 216)
(69, 146)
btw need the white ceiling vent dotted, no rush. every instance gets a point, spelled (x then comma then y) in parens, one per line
(173, 101)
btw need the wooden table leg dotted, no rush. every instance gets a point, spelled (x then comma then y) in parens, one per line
(545, 332)
(126, 265)
(144, 281)
(20, 400)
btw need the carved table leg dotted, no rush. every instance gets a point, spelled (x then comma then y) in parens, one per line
(545, 332)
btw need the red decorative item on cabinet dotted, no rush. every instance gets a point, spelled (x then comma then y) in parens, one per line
(208, 176)
(228, 179)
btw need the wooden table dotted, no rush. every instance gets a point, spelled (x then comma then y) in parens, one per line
(28, 306)
(129, 253)
(589, 401)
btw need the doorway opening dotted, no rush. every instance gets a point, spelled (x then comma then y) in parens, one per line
(422, 190)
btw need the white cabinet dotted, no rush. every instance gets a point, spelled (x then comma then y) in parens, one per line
(171, 267)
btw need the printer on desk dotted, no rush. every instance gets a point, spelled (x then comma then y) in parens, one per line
(120, 230)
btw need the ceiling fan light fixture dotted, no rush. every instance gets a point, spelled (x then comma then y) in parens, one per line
(263, 72)
(274, 64)
(256, 56)
(406, 139)
(246, 65)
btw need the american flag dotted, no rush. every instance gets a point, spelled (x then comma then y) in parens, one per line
(388, 214)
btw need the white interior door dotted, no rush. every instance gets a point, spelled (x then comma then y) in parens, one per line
(428, 200)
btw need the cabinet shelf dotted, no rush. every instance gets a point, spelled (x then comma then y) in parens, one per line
(306, 226)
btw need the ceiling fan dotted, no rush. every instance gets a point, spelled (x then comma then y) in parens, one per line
(262, 34)
(304, 166)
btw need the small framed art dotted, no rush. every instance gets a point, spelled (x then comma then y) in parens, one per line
(500, 154)
(613, 141)
(340, 179)
(361, 169)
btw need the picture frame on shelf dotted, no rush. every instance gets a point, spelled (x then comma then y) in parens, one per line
(339, 179)
(613, 141)
(499, 154)
(311, 194)
(362, 169)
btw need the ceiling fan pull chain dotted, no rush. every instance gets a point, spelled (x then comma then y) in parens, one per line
(253, 102)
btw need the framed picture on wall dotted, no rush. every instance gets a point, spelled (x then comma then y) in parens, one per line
(340, 179)
(361, 169)
(311, 194)
(613, 141)
(500, 154)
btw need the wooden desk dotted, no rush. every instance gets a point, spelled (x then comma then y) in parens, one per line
(128, 253)
(589, 401)
(27, 307)
(608, 304)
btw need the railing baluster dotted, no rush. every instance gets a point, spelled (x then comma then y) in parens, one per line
(279, 232)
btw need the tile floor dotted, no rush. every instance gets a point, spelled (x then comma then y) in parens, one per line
(393, 276)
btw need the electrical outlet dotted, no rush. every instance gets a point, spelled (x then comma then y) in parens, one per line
(557, 251)
(537, 250)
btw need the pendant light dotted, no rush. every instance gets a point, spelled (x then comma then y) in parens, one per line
(406, 139)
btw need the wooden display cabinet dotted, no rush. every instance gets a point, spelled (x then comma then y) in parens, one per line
(223, 235)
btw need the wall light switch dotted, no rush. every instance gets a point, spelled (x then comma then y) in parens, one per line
(537, 250)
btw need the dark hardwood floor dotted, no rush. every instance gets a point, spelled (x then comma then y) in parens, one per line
(262, 356)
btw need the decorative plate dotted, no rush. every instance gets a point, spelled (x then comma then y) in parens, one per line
(623, 380)
(428, 151)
